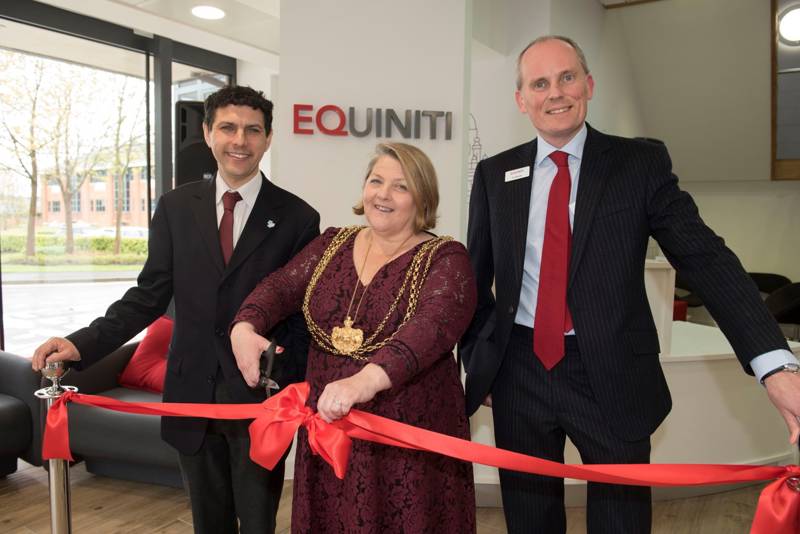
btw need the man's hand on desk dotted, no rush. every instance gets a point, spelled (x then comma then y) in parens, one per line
(783, 389)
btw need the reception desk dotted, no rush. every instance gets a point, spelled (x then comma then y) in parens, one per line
(719, 414)
(659, 282)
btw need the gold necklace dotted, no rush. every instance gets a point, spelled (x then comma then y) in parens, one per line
(347, 339)
(416, 274)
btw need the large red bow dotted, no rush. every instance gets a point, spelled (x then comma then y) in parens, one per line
(276, 421)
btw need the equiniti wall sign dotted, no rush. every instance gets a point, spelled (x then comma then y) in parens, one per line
(378, 122)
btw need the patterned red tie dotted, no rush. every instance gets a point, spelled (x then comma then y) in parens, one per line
(229, 200)
(552, 315)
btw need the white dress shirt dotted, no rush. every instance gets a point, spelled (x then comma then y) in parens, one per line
(544, 172)
(249, 192)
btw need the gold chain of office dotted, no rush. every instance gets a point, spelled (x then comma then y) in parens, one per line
(416, 274)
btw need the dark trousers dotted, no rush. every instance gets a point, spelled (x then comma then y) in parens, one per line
(534, 409)
(229, 493)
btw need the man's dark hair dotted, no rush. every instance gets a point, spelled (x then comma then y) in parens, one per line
(238, 95)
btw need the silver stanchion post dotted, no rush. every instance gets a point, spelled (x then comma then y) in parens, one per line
(60, 511)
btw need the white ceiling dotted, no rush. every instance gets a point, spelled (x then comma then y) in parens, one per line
(253, 22)
(49, 44)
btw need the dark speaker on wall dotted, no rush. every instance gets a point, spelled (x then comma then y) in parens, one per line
(193, 159)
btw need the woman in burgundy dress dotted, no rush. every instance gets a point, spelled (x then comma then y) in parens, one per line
(385, 305)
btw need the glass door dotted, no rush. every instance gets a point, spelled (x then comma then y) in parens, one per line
(73, 180)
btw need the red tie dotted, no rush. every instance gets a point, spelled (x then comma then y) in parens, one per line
(552, 314)
(229, 200)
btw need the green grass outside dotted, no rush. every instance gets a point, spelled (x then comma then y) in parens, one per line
(51, 259)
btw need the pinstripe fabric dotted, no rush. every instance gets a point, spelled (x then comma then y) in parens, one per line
(626, 193)
(534, 409)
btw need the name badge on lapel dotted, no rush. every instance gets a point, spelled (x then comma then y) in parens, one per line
(516, 174)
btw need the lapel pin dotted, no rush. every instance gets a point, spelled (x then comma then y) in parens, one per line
(270, 224)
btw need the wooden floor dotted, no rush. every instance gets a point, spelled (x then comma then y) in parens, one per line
(106, 506)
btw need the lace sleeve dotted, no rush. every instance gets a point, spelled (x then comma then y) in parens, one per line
(447, 303)
(281, 293)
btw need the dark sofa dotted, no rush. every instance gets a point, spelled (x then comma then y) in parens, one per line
(20, 435)
(113, 444)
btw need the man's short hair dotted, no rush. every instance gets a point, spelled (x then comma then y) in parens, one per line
(543, 38)
(238, 95)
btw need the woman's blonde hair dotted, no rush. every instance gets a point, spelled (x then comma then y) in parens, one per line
(420, 177)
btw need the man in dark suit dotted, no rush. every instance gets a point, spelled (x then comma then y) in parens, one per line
(566, 345)
(210, 243)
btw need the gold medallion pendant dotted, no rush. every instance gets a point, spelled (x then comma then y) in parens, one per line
(347, 339)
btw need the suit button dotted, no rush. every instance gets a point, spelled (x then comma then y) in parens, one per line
(210, 379)
(511, 309)
(220, 332)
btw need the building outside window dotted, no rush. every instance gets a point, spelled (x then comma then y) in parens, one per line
(126, 199)
(82, 104)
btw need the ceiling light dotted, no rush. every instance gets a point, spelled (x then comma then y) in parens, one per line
(789, 26)
(208, 12)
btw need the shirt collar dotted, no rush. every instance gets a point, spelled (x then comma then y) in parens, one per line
(574, 148)
(249, 190)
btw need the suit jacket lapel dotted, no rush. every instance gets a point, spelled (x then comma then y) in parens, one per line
(592, 183)
(258, 227)
(516, 201)
(205, 213)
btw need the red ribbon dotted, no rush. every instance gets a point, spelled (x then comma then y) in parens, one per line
(277, 419)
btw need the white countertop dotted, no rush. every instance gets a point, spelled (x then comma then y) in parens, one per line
(693, 342)
(657, 264)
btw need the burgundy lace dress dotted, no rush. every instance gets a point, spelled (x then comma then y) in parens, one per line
(386, 489)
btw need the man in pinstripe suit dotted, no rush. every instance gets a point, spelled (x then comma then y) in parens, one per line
(606, 389)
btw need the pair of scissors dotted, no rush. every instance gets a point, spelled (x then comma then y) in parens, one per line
(265, 370)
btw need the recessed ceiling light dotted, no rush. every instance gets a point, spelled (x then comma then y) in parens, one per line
(789, 26)
(208, 12)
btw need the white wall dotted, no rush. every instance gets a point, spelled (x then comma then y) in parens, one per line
(501, 29)
(615, 107)
(760, 222)
(375, 54)
(703, 73)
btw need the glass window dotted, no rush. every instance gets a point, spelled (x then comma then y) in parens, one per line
(73, 128)
(76, 202)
